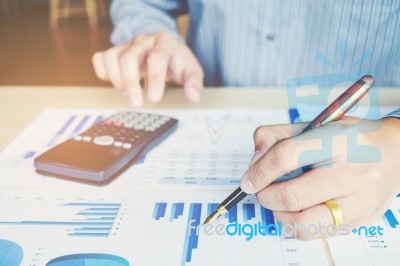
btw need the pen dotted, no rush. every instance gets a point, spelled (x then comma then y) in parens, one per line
(335, 111)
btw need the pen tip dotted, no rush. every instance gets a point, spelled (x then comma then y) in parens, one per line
(213, 216)
(369, 80)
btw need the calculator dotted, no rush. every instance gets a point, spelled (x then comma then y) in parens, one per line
(101, 153)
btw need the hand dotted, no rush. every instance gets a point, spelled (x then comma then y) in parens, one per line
(354, 162)
(153, 57)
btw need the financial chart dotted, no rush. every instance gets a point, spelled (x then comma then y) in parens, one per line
(154, 211)
(133, 226)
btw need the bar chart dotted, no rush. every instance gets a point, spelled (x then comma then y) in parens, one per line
(97, 228)
(390, 215)
(67, 126)
(73, 219)
(196, 212)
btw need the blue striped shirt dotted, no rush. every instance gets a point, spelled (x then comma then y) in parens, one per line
(266, 42)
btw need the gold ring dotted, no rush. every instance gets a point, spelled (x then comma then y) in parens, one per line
(336, 212)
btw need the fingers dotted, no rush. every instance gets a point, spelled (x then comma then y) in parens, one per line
(157, 64)
(129, 64)
(286, 155)
(318, 221)
(193, 84)
(184, 69)
(99, 68)
(266, 136)
(153, 57)
(362, 190)
(310, 189)
(312, 223)
(106, 65)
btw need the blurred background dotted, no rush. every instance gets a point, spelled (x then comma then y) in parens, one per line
(50, 42)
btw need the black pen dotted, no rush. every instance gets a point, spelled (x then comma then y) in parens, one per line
(335, 111)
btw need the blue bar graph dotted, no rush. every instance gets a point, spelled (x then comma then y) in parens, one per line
(61, 131)
(102, 209)
(159, 210)
(249, 211)
(97, 213)
(391, 219)
(97, 120)
(92, 204)
(70, 223)
(177, 210)
(267, 217)
(79, 127)
(191, 238)
(101, 219)
(232, 214)
(86, 219)
(141, 159)
(93, 228)
(29, 154)
(170, 180)
(211, 208)
(194, 219)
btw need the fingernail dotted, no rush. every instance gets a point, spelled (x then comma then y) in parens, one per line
(195, 94)
(135, 101)
(247, 186)
(153, 95)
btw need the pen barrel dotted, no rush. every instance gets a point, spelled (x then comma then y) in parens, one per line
(235, 200)
(339, 107)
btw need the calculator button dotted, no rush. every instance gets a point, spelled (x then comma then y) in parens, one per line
(117, 123)
(103, 140)
(78, 138)
(129, 124)
(126, 145)
(139, 127)
(87, 138)
(118, 144)
(149, 128)
(156, 124)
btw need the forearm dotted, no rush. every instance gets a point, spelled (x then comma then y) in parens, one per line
(134, 17)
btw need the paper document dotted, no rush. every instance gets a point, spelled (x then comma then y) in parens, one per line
(150, 215)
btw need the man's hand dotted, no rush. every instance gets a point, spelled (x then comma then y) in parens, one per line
(152, 57)
(359, 170)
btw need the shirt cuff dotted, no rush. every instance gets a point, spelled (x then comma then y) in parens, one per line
(395, 113)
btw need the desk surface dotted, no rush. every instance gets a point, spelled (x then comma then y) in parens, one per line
(20, 105)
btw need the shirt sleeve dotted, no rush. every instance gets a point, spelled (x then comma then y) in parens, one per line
(134, 17)
(395, 113)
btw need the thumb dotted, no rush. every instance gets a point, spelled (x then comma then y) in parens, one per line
(280, 158)
(266, 136)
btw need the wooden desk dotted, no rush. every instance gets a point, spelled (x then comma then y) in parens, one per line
(20, 105)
